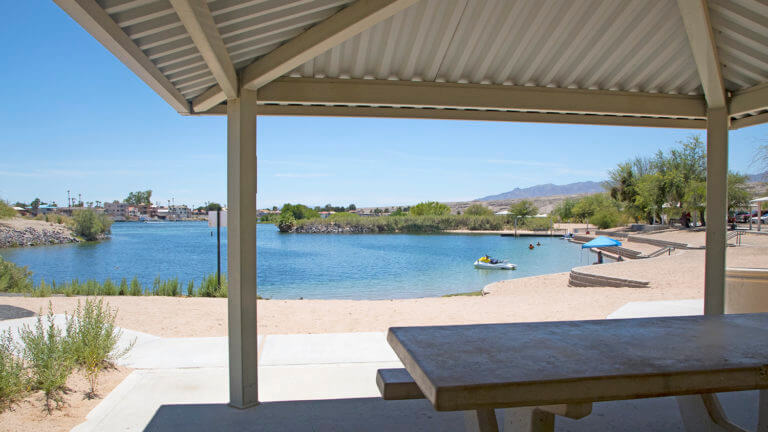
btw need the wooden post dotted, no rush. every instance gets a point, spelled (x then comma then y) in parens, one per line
(241, 249)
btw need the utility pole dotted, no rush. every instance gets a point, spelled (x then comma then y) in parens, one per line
(69, 199)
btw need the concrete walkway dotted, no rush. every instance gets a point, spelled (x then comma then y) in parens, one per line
(325, 382)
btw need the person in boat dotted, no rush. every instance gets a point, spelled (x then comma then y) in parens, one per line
(485, 259)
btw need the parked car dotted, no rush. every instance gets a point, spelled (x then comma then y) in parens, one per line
(739, 217)
(763, 219)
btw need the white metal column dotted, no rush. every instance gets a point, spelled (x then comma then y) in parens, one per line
(241, 249)
(717, 210)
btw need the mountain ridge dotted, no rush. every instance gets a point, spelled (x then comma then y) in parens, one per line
(547, 189)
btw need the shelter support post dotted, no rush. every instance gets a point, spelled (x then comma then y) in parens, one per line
(241, 249)
(717, 210)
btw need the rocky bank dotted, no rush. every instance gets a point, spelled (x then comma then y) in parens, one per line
(25, 232)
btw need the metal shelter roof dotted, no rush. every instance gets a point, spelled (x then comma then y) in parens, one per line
(625, 62)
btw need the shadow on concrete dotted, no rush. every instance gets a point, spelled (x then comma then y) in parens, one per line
(13, 312)
(375, 414)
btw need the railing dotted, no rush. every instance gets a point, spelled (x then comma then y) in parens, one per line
(666, 249)
(737, 235)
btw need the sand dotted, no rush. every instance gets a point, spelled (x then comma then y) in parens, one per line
(29, 414)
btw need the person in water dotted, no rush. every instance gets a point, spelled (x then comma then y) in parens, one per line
(530, 246)
(538, 244)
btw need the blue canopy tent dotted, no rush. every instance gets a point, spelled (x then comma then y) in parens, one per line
(601, 241)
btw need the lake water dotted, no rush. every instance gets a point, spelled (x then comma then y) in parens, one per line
(327, 266)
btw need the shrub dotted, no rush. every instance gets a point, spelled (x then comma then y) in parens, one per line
(286, 223)
(606, 217)
(430, 208)
(169, 287)
(190, 289)
(89, 224)
(136, 289)
(123, 289)
(6, 211)
(13, 379)
(14, 279)
(47, 353)
(536, 223)
(478, 210)
(92, 340)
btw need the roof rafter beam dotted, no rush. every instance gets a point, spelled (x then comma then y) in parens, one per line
(100, 25)
(695, 14)
(750, 100)
(198, 21)
(479, 97)
(345, 24)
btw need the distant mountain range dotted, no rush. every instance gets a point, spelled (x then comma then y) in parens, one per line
(548, 189)
(587, 187)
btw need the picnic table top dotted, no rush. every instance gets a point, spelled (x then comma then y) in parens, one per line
(527, 364)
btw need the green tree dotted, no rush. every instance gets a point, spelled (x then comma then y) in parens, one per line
(352, 207)
(650, 197)
(524, 209)
(564, 211)
(430, 208)
(35, 204)
(299, 211)
(478, 210)
(286, 222)
(213, 206)
(6, 211)
(738, 195)
(139, 197)
(89, 224)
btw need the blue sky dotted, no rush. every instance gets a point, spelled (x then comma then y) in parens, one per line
(76, 119)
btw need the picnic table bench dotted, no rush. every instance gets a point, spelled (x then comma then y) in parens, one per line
(536, 371)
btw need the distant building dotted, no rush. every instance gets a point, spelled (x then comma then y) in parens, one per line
(178, 212)
(116, 210)
(325, 214)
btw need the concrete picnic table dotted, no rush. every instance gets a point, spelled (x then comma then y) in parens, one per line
(477, 368)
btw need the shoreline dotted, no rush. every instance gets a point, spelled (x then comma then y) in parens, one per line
(21, 232)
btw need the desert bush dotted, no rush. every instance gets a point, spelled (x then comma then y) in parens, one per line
(47, 354)
(286, 222)
(478, 210)
(169, 287)
(536, 223)
(13, 378)
(135, 289)
(92, 339)
(606, 217)
(123, 288)
(190, 289)
(209, 288)
(89, 224)
(6, 211)
(13, 278)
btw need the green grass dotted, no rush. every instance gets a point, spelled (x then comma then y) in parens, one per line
(466, 294)
(6, 211)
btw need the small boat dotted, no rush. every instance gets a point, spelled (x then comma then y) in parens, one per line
(488, 263)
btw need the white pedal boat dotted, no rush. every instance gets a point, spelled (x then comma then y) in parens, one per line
(501, 265)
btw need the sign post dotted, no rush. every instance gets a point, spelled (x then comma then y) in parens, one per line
(218, 219)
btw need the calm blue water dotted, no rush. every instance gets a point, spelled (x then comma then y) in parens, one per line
(329, 266)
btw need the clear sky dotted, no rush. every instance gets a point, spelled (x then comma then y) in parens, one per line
(74, 118)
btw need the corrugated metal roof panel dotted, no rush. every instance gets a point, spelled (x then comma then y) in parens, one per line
(741, 33)
(628, 45)
(635, 45)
